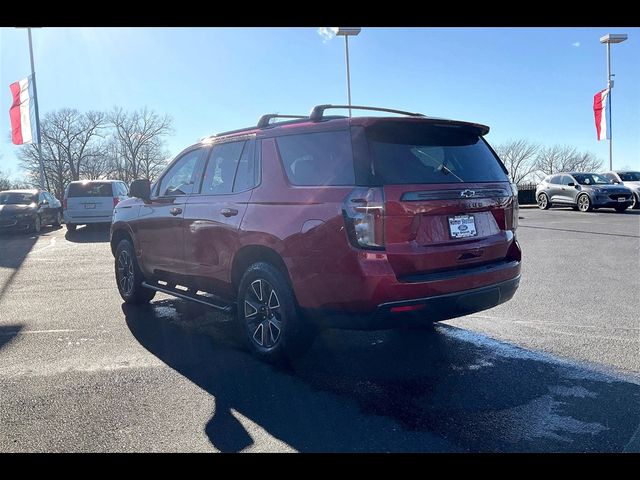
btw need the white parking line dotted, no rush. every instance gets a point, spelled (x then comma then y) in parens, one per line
(23, 332)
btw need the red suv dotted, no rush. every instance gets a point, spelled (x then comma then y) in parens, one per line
(325, 221)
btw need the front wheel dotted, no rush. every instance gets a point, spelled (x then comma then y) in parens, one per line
(636, 201)
(543, 202)
(269, 317)
(584, 203)
(129, 277)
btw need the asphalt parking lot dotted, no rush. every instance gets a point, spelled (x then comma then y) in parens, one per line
(555, 369)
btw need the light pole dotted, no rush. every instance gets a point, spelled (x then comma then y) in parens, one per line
(347, 32)
(610, 38)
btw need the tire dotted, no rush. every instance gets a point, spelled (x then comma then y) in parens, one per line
(268, 315)
(37, 225)
(543, 201)
(636, 202)
(58, 221)
(621, 208)
(584, 203)
(71, 227)
(129, 278)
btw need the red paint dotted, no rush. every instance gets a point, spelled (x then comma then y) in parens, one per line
(14, 114)
(326, 271)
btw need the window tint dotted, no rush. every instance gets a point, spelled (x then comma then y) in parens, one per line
(179, 179)
(630, 176)
(556, 179)
(221, 168)
(566, 179)
(246, 173)
(15, 198)
(408, 153)
(90, 189)
(322, 158)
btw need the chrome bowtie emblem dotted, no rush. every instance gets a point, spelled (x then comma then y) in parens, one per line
(467, 193)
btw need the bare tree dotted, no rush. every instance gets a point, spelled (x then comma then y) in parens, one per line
(564, 158)
(140, 142)
(6, 183)
(519, 156)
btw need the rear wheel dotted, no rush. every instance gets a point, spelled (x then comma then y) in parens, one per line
(71, 227)
(584, 203)
(129, 277)
(37, 224)
(58, 221)
(269, 317)
(543, 202)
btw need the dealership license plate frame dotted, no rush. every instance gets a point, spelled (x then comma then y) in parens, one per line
(622, 199)
(457, 221)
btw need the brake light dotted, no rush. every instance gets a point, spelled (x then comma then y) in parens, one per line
(363, 212)
(116, 200)
(515, 209)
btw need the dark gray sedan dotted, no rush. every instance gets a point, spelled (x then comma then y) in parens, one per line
(582, 191)
(29, 210)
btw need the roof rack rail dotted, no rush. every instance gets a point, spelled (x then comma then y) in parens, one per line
(265, 119)
(222, 134)
(318, 111)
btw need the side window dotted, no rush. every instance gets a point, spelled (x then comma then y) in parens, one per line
(246, 172)
(323, 158)
(610, 176)
(566, 179)
(179, 179)
(221, 168)
(556, 179)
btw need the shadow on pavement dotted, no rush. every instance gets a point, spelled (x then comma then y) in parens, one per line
(8, 333)
(97, 233)
(475, 393)
(14, 248)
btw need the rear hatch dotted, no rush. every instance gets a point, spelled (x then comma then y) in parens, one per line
(448, 203)
(89, 199)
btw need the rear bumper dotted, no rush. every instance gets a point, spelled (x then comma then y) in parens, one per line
(428, 309)
(86, 219)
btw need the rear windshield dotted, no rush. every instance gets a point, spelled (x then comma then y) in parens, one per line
(90, 189)
(16, 198)
(406, 153)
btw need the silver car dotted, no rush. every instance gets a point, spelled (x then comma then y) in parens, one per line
(629, 179)
(582, 191)
(92, 201)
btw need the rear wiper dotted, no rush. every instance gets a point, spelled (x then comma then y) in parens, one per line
(445, 170)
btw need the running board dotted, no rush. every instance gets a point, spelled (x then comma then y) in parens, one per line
(207, 299)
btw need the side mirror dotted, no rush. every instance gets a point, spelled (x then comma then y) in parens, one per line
(571, 184)
(140, 189)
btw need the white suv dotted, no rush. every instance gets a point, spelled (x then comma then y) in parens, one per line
(629, 179)
(92, 201)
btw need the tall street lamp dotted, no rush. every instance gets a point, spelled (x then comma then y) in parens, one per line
(347, 32)
(610, 38)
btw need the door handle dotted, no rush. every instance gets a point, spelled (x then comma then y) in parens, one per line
(175, 211)
(229, 212)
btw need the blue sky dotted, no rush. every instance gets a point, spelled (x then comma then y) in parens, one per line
(534, 83)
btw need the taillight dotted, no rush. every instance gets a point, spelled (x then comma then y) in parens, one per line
(515, 206)
(363, 212)
(64, 203)
(116, 200)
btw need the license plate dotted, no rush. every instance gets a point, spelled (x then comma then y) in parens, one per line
(89, 205)
(462, 226)
(621, 199)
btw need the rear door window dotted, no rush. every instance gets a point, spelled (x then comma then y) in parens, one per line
(322, 158)
(90, 189)
(418, 153)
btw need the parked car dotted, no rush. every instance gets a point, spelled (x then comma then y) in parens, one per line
(325, 221)
(29, 210)
(92, 201)
(582, 191)
(629, 179)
